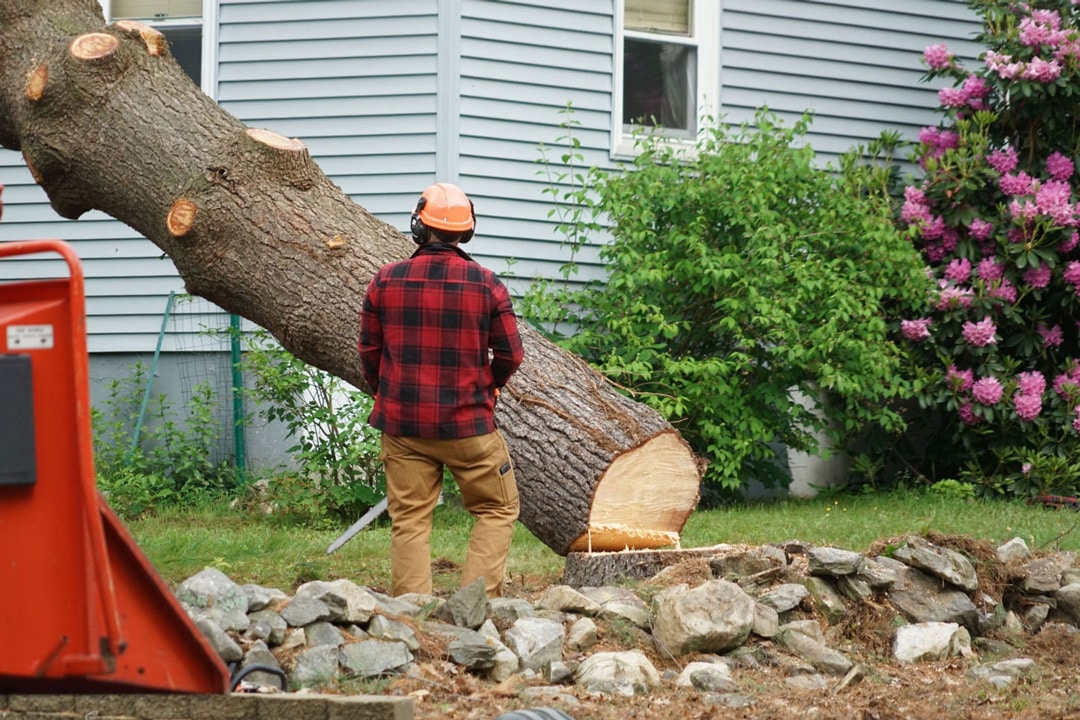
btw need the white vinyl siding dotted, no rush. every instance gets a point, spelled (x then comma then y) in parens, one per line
(391, 96)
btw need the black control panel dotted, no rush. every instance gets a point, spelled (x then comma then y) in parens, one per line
(18, 465)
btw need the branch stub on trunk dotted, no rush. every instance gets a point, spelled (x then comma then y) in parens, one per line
(152, 38)
(181, 217)
(93, 46)
(36, 80)
(276, 141)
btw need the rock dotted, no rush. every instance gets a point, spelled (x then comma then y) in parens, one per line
(921, 598)
(713, 617)
(944, 563)
(826, 599)
(565, 599)
(876, 574)
(372, 658)
(766, 621)
(582, 635)
(467, 607)
(510, 609)
(323, 633)
(536, 642)
(820, 656)
(1067, 600)
(1004, 673)
(213, 594)
(618, 673)
(619, 604)
(1043, 575)
(315, 667)
(834, 562)
(930, 641)
(302, 611)
(384, 628)
(260, 598)
(473, 654)
(1014, 550)
(259, 656)
(783, 598)
(219, 640)
(707, 676)
(267, 625)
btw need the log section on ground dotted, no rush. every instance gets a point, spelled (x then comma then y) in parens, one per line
(107, 120)
(595, 569)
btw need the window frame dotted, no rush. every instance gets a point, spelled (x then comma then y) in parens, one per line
(704, 38)
(208, 70)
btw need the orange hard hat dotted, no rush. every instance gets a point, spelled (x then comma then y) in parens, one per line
(445, 207)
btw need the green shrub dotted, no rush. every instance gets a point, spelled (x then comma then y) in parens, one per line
(338, 473)
(744, 285)
(171, 461)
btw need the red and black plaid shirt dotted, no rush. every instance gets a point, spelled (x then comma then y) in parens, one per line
(425, 332)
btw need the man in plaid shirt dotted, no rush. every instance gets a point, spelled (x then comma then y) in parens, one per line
(438, 338)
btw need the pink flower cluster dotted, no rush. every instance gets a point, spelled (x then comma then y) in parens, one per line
(1067, 384)
(1039, 70)
(1071, 275)
(938, 57)
(938, 141)
(1051, 335)
(1004, 161)
(1027, 402)
(1059, 167)
(915, 330)
(958, 380)
(971, 93)
(987, 391)
(980, 334)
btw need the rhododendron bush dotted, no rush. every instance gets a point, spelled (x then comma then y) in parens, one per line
(996, 216)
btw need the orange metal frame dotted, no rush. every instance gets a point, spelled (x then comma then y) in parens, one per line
(81, 608)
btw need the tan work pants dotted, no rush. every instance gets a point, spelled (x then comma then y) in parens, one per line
(414, 471)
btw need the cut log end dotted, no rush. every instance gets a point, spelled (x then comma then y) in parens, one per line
(614, 538)
(36, 80)
(181, 217)
(644, 498)
(93, 46)
(278, 142)
(152, 38)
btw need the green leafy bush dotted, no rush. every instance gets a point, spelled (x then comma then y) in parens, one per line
(338, 472)
(746, 293)
(170, 461)
(996, 215)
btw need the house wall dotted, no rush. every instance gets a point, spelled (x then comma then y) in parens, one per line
(391, 96)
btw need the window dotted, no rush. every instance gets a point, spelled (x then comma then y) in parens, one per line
(180, 20)
(667, 67)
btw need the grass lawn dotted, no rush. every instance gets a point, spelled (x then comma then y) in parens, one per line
(262, 549)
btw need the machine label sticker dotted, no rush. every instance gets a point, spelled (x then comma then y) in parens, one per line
(30, 337)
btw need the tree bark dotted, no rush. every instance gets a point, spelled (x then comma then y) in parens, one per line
(106, 120)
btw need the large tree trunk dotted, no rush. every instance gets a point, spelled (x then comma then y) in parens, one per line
(106, 120)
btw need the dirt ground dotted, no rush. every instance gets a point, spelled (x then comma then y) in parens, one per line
(888, 690)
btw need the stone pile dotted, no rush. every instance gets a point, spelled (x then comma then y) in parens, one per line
(773, 605)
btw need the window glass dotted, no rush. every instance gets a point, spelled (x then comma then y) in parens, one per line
(186, 46)
(659, 86)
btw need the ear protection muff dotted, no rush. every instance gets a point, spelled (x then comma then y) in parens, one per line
(442, 207)
(416, 225)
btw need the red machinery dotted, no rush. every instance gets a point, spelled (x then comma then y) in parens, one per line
(81, 608)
